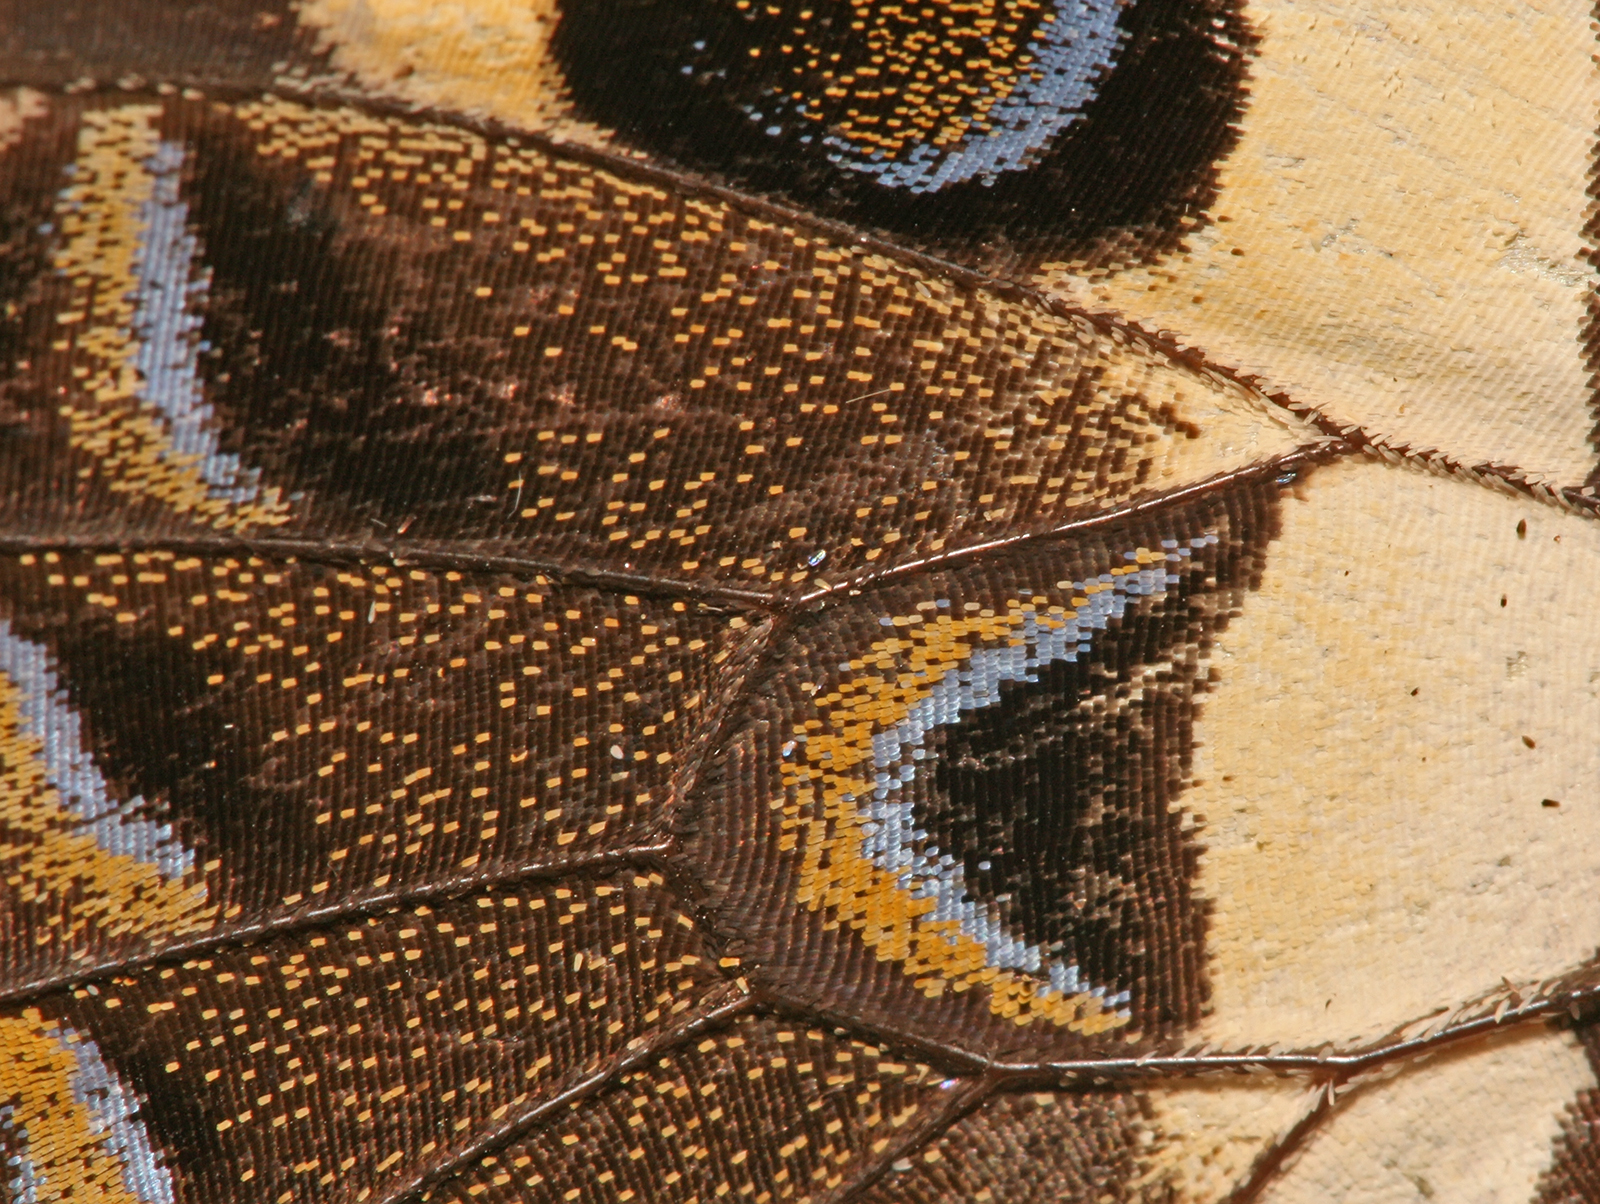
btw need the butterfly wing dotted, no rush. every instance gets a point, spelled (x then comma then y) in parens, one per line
(536, 673)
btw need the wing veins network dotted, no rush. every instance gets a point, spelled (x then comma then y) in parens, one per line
(1337, 1076)
(1580, 995)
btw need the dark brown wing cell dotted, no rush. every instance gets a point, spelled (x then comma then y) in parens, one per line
(528, 673)
(953, 808)
(329, 326)
(389, 730)
(350, 1061)
(1029, 1149)
(761, 1108)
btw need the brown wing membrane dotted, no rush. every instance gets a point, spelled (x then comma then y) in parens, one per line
(348, 1061)
(526, 675)
(227, 43)
(952, 808)
(1024, 1148)
(606, 372)
(325, 737)
(760, 1109)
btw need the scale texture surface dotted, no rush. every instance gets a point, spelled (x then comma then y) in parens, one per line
(724, 602)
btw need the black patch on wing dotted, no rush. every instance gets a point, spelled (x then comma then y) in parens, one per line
(156, 729)
(333, 362)
(1062, 800)
(1060, 803)
(1137, 166)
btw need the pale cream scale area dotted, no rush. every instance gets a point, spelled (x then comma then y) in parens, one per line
(1473, 1127)
(1396, 238)
(1376, 844)
(483, 58)
(1397, 234)
(1206, 1136)
(17, 105)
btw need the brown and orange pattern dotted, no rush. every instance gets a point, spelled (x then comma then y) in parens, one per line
(604, 370)
(653, 602)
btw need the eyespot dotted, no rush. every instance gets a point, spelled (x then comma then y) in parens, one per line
(977, 783)
(1014, 120)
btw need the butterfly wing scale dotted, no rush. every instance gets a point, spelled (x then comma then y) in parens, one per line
(528, 673)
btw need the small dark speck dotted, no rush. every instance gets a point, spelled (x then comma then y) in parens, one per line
(1549, 802)
(1522, 528)
(1528, 740)
(1414, 692)
(1502, 599)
